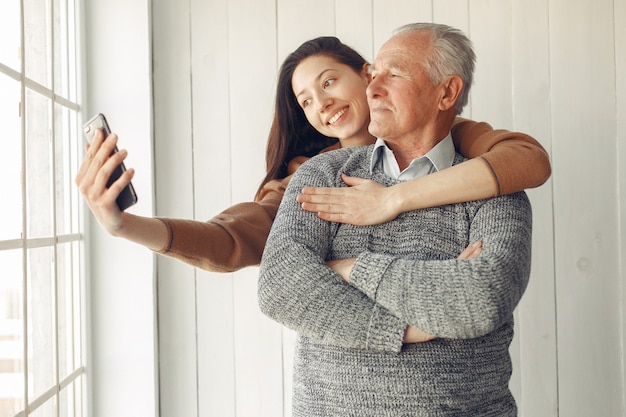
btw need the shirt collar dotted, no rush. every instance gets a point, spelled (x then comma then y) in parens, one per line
(441, 156)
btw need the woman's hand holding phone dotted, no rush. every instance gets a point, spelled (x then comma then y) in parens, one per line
(99, 163)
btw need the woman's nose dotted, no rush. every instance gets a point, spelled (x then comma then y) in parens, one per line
(323, 101)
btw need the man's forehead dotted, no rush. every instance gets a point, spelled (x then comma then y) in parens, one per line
(396, 58)
(401, 49)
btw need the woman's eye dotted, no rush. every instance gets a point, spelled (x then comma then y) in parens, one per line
(306, 102)
(329, 82)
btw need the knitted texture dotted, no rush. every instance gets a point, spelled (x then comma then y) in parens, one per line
(350, 360)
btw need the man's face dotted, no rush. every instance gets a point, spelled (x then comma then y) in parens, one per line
(401, 97)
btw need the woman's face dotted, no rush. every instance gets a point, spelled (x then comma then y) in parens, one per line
(333, 98)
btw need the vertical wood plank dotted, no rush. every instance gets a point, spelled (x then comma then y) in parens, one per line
(491, 93)
(252, 56)
(620, 68)
(354, 26)
(586, 255)
(388, 16)
(454, 13)
(536, 371)
(217, 389)
(174, 197)
(212, 185)
(292, 29)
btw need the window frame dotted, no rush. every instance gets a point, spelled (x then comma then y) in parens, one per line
(68, 13)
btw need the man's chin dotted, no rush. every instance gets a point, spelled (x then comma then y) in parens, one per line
(375, 129)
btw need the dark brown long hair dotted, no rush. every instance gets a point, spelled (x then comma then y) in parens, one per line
(291, 134)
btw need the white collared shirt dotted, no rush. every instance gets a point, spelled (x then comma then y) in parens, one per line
(441, 156)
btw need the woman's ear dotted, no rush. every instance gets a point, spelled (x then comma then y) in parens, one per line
(452, 89)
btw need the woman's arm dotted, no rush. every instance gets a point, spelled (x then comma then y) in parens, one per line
(502, 162)
(231, 240)
(516, 160)
(91, 180)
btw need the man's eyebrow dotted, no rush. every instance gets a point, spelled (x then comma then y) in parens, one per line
(396, 66)
(388, 64)
(320, 75)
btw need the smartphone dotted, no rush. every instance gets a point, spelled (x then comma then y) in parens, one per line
(128, 196)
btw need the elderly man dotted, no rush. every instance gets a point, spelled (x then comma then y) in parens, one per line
(390, 321)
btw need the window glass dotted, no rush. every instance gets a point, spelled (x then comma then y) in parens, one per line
(10, 159)
(41, 371)
(11, 333)
(68, 145)
(67, 281)
(10, 39)
(38, 165)
(37, 42)
(44, 410)
(64, 49)
(41, 294)
(69, 400)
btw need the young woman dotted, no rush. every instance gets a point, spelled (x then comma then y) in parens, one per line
(309, 115)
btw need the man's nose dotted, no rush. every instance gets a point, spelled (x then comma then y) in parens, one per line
(374, 88)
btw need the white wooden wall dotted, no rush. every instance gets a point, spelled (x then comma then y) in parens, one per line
(552, 68)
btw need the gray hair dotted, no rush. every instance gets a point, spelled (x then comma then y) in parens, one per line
(451, 54)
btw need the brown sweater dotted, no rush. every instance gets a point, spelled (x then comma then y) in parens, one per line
(235, 238)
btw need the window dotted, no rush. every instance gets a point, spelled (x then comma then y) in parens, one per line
(41, 291)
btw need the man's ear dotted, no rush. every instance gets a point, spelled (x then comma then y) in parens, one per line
(452, 89)
(366, 71)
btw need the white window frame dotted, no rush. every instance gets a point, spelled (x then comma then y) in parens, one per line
(74, 380)
(119, 341)
(122, 361)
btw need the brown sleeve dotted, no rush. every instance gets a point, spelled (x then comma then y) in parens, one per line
(516, 160)
(233, 239)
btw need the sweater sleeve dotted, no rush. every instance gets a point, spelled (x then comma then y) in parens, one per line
(516, 160)
(298, 290)
(233, 239)
(458, 298)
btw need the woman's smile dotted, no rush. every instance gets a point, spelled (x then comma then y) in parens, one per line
(337, 116)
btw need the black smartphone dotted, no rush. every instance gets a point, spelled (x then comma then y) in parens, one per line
(128, 196)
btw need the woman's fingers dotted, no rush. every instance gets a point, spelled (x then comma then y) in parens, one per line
(473, 250)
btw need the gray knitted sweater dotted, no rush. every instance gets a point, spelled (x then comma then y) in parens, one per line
(350, 360)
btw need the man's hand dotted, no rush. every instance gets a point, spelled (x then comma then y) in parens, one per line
(364, 203)
(415, 335)
(343, 267)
